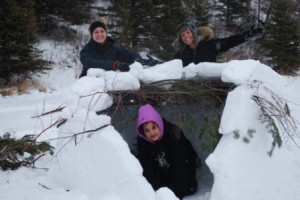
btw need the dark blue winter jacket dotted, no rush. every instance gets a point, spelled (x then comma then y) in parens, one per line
(95, 55)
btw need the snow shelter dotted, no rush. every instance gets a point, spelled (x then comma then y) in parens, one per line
(194, 105)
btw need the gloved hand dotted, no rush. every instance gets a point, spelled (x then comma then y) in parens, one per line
(149, 62)
(123, 67)
(253, 32)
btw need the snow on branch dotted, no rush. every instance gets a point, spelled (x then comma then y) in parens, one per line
(15, 153)
(276, 112)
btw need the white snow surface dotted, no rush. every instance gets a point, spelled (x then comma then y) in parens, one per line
(99, 165)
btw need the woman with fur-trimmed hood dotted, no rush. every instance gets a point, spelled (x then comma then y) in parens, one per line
(197, 45)
(166, 155)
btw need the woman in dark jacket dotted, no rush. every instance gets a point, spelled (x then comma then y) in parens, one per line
(102, 52)
(167, 157)
(192, 50)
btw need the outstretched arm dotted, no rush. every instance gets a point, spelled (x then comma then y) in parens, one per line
(235, 40)
(224, 44)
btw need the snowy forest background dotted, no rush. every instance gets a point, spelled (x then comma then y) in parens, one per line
(147, 26)
(40, 35)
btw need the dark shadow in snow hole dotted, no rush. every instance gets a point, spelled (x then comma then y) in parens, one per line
(199, 122)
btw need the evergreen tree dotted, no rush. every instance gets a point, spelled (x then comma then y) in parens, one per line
(165, 26)
(147, 25)
(17, 32)
(144, 23)
(198, 11)
(50, 13)
(282, 37)
(238, 14)
(122, 22)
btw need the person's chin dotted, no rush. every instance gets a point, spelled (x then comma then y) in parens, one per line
(100, 41)
(155, 139)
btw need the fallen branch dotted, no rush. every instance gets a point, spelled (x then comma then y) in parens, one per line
(50, 112)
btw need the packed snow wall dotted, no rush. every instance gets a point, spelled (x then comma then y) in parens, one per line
(199, 122)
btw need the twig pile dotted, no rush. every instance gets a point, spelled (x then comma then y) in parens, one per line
(210, 90)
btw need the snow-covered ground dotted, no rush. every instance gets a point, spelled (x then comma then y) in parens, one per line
(99, 165)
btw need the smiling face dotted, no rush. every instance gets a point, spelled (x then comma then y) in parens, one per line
(187, 38)
(151, 131)
(99, 35)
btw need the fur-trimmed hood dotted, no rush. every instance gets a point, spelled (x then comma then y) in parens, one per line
(204, 33)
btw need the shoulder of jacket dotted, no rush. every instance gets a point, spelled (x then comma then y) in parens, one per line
(205, 32)
(110, 39)
(175, 132)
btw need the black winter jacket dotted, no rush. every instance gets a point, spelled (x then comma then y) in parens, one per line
(95, 55)
(207, 50)
(169, 162)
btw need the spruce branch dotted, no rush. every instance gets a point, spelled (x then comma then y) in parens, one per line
(12, 155)
(276, 113)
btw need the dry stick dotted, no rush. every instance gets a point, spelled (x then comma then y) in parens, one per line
(55, 123)
(38, 158)
(170, 81)
(93, 94)
(4, 148)
(52, 111)
(59, 121)
(32, 162)
(86, 117)
(44, 186)
(75, 135)
(284, 109)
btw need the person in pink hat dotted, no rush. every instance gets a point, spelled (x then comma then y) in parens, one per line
(166, 155)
